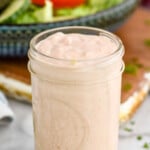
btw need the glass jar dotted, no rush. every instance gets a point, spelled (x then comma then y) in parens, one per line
(76, 103)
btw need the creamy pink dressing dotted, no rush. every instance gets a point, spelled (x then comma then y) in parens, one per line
(76, 46)
(76, 109)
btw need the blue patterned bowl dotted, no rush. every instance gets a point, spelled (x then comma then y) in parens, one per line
(14, 39)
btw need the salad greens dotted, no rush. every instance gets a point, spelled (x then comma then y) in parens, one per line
(47, 13)
(91, 7)
(36, 14)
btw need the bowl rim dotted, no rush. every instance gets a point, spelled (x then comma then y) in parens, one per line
(102, 13)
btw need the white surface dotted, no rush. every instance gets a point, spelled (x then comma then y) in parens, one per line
(19, 134)
(6, 114)
(128, 140)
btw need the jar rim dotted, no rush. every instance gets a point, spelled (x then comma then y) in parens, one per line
(118, 52)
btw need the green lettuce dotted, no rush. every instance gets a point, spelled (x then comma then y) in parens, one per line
(36, 14)
(92, 6)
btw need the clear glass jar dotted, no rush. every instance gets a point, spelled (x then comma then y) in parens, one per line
(76, 106)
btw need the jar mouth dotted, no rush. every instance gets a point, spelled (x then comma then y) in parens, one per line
(76, 29)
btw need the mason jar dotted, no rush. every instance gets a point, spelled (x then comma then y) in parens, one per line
(76, 102)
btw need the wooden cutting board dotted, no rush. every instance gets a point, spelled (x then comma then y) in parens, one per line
(135, 34)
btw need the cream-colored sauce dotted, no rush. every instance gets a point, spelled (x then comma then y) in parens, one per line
(76, 109)
(76, 46)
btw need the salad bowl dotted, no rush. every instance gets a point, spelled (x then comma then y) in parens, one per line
(14, 39)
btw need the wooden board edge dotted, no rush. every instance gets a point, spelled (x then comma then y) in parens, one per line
(22, 92)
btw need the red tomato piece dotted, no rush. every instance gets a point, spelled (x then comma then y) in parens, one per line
(67, 3)
(39, 2)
